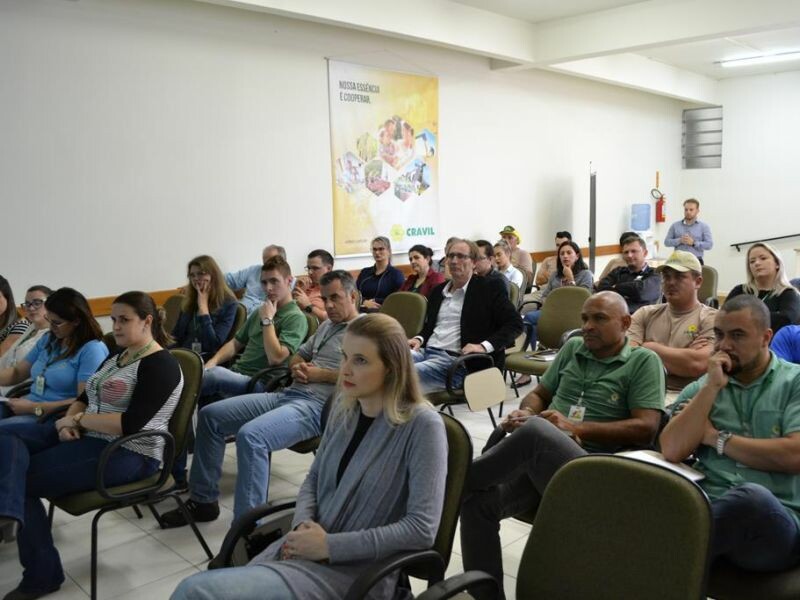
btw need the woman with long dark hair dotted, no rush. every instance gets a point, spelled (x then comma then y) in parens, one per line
(134, 390)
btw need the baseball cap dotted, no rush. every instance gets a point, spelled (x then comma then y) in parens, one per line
(509, 230)
(681, 261)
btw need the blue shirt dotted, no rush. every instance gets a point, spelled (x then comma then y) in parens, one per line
(786, 343)
(250, 280)
(62, 376)
(700, 232)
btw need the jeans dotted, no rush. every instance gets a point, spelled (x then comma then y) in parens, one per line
(237, 583)
(507, 479)
(532, 318)
(36, 465)
(263, 423)
(753, 530)
(432, 365)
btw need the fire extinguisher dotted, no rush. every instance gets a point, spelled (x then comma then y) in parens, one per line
(661, 202)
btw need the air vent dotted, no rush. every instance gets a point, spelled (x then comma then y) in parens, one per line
(702, 138)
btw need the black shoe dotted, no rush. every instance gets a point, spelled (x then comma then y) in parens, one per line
(201, 512)
(8, 529)
(18, 594)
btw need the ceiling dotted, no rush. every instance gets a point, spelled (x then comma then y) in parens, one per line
(536, 11)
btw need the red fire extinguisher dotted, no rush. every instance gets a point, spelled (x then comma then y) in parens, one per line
(661, 202)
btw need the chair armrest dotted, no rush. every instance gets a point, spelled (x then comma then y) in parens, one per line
(272, 385)
(244, 526)
(526, 302)
(569, 334)
(453, 586)
(462, 360)
(167, 458)
(19, 390)
(429, 559)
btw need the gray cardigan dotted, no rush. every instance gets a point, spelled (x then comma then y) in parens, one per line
(389, 499)
(583, 278)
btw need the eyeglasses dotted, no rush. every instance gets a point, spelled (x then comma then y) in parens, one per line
(33, 304)
(457, 255)
(53, 323)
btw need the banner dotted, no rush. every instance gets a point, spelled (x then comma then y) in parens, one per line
(385, 150)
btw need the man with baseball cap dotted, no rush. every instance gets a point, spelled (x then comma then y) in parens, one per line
(519, 258)
(681, 331)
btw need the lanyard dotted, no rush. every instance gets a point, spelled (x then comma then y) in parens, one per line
(336, 329)
(116, 366)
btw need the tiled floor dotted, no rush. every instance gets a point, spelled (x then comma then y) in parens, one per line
(137, 560)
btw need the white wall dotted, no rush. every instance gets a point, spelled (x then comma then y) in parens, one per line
(137, 134)
(755, 193)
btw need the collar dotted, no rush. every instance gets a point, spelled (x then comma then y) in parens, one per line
(447, 293)
(764, 378)
(622, 356)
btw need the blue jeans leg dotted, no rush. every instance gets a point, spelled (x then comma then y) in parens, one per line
(432, 365)
(224, 382)
(753, 530)
(532, 318)
(237, 583)
(215, 423)
(61, 469)
(292, 418)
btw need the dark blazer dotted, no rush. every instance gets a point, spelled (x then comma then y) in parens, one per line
(488, 315)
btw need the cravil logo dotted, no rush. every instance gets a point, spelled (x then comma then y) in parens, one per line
(397, 233)
(420, 231)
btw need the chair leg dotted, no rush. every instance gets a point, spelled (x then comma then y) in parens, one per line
(500, 410)
(450, 410)
(51, 513)
(96, 518)
(514, 384)
(491, 416)
(155, 514)
(192, 524)
(137, 511)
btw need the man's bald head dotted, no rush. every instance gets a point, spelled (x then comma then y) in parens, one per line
(605, 321)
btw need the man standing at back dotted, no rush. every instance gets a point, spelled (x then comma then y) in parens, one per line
(690, 234)
(249, 279)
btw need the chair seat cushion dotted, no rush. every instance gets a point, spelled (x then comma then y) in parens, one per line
(442, 397)
(519, 363)
(306, 446)
(83, 502)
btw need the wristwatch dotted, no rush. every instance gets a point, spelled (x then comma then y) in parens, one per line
(266, 322)
(309, 309)
(38, 411)
(722, 439)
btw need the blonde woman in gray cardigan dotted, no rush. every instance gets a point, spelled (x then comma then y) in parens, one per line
(376, 486)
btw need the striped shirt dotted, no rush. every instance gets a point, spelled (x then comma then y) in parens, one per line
(144, 392)
(18, 327)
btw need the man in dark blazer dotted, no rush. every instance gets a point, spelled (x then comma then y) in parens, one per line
(466, 315)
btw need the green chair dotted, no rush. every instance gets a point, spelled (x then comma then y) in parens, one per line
(242, 541)
(561, 314)
(409, 310)
(727, 582)
(172, 310)
(514, 294)
(707, 294)
(611, 528)
(238, 321)
(155, 488)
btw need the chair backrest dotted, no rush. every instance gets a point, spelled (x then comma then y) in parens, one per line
(514, 294)
(459, 458)
(238, 320)
(313, 324)
(192, 368)
(409, 310)
(708, 289)
(531, 277)
(172, 310)
(610, 527)
(561, 312)
(484, 388)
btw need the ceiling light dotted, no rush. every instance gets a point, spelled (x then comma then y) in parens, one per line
(760, 60)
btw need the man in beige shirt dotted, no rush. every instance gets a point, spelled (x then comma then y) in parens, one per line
(681, 331)
(548, 266)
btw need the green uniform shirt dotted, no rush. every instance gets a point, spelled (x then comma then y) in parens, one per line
(769, 407)
(609, 388)
(291, 327)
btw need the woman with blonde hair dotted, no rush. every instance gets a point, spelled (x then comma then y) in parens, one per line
(208, 311)
(381, 279)
(376, 486)
(766, 279)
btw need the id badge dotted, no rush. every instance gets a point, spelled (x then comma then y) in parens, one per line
(38, 385)
(576, 413)
(197, 347)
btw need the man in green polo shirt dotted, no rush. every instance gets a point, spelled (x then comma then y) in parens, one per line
(599, 394)
(271, 334)
(742, 422)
